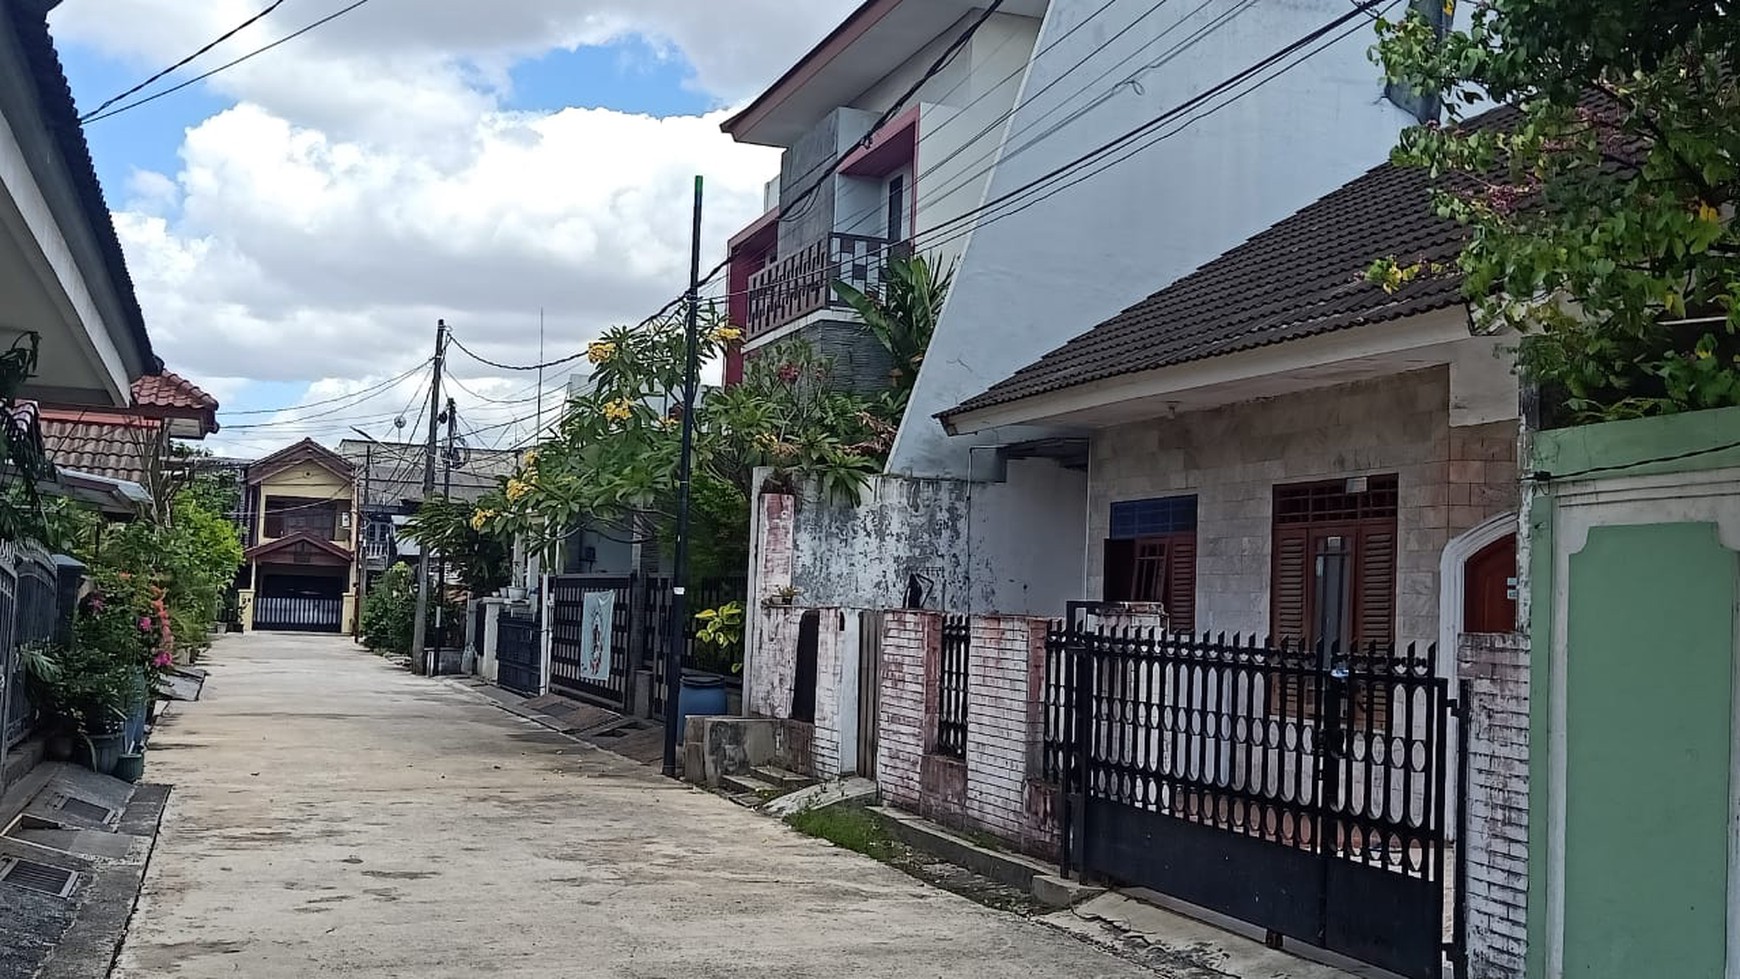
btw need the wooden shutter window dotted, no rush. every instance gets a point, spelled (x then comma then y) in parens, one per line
(1180, 596)
(1374, 594)
(1291, 588)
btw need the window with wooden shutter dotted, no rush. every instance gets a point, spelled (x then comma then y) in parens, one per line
(1151, 556)
(1333, 581)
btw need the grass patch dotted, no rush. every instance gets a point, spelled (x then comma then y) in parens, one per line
(850, 827)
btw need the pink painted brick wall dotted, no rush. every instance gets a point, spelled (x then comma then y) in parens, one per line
(1005, 674)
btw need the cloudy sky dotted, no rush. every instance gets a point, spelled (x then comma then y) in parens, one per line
(297, 224)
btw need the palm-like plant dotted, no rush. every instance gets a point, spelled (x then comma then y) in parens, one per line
(903, 316)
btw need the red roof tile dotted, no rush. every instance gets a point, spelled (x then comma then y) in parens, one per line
(171, 390)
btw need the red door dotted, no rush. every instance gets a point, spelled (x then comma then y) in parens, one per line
(1489, 588)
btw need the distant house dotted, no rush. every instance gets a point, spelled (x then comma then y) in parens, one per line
(299, 507)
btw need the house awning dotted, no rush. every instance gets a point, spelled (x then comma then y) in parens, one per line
(114, 497)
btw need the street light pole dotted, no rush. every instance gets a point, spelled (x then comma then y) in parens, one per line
(680, 577)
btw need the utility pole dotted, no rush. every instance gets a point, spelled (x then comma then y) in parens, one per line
(420, 627)
(361, 532)
(451, 417)
(680, 578)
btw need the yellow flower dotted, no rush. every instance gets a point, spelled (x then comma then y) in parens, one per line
(1708, 214)
(531, 458)
(600, 351)
(726, 334)
(619, 410)
(479, 519)
(517, 490)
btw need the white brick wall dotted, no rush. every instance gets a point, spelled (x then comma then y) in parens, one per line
(1497, 797)
(1232, 459)
(907, 639)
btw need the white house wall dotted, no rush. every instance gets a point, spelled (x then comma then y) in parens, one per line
(1032, 280)
(1013, 547)
(1451, 478)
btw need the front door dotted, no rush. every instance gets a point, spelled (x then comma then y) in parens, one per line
(1489, 588)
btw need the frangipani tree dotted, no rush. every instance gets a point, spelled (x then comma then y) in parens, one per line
(615, 455)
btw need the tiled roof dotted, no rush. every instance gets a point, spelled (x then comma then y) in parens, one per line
(171, 390)
(104, 445)
(61, 114)
(1302, 277)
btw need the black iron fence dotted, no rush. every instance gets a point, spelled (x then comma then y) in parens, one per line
(700, 657)
(519, 661)
(604, 628)
(1303, 791)
(951, 707)
(29, 611)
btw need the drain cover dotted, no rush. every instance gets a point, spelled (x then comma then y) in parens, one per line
(55, 881)
(85, 810)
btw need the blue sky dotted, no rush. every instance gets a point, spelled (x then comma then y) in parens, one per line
(629, 76)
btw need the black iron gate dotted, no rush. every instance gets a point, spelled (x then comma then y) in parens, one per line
(591, 626)
(1303, 791)
(297, 614)
(518, 660)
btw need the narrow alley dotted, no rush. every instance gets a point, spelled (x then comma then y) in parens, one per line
(335, 816)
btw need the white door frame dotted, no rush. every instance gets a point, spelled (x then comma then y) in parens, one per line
(1451, 580)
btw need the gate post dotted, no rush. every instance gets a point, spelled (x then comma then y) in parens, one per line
(1328, 774)
(1082, 655)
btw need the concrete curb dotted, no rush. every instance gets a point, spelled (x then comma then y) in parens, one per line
(89, 947)
(1011, 869)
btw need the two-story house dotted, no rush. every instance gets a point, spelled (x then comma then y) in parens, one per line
(299, 506)
(852, 193)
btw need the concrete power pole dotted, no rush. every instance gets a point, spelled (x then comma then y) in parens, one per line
(451, 417)
(420, 627)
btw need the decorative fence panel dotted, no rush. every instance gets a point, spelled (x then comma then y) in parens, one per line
(279, 614)
(1304, 791)
(951, 725)
(697, 656)
(591, 626)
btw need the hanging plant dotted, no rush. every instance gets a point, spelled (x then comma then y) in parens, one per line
(26, 462)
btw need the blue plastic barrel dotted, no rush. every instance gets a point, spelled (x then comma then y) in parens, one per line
(702, 695)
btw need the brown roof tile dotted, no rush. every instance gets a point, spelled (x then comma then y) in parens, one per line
(1302, 277)
(109, 446)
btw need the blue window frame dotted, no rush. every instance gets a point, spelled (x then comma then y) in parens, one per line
(1136, 519)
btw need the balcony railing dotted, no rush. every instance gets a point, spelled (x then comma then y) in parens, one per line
(803, 283)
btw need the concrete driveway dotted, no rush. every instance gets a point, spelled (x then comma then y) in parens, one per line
(335, 816)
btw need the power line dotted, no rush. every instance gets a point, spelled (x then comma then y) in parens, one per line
(329, 18)
(935, 69)
(184, 62)
(383, 385)
(958, 227)
(513, 367)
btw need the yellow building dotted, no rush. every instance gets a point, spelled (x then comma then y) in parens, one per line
(300, 504)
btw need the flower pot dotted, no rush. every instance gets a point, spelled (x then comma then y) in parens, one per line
(130, 767)
(104, 751)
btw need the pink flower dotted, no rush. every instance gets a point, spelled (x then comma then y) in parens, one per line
(144, 623)
(163, 660)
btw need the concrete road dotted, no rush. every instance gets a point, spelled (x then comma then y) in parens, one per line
(334, 816)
